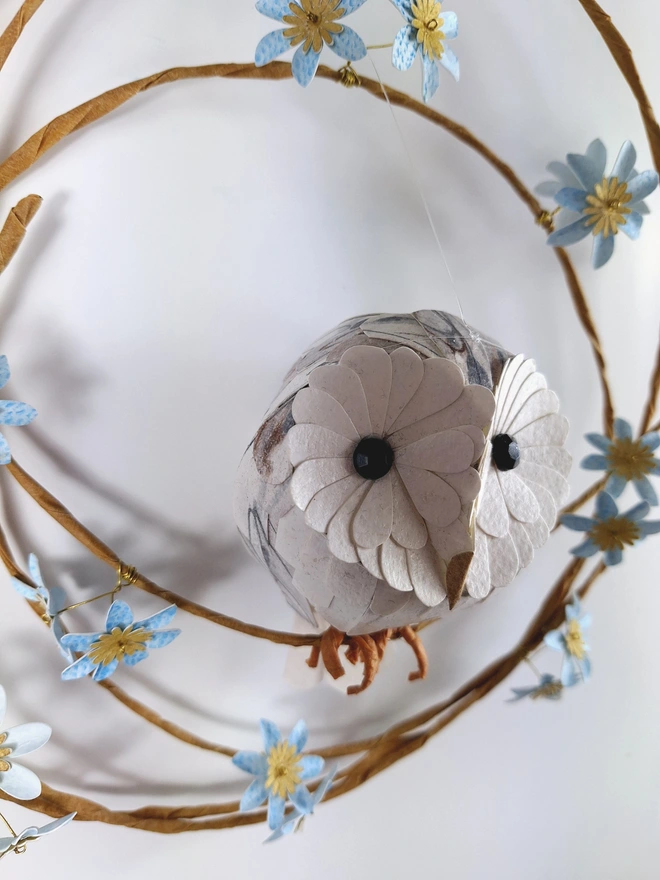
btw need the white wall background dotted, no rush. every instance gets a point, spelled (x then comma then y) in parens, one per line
(189, 247)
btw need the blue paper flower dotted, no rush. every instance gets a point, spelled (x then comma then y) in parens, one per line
(548, 688)
(626, 460)
(570, 642)
(11, 412)
(604, 204)
(293, 821)
(427, 31)
(610, 531)
(52, 601)
(123, 639)
(279, 772)
(310, 25)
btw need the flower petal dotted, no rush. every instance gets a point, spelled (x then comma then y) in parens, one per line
(313, 441)
(394, 562)
(492, 515)
(119, 615)
(642, 185)
(518, 497)
(633, 225)
(638, 512)
(348, 45)
(372, 524)
(312, 765)
(5, 372)
(585, 550)
(158, 620)
(598, 154)
(137, 656)
(651, 440)
(408, 527)
(646, 490)
(405, 48)
(340, 540)
(82, 667)
(555, 640)
(350, 6)
(594, 463)
(26, 591)
(35, 570)
(20, 783)
(302, 800)
(407, 374)
(649, 528)
(599, 441)
(585, 169)
(573, 199)
(441, 385)
(270, 47)
(425, 571)
(602, 250)
(312, 476)
(270, 733)
(325, 504)
(298, 736)
(623, 429)
(304, 66)
(625, 163)
(450, 25)
(27, 738)
(605, 506)
(254, 796)
(105, 670)
(312, 406)
(431, 77)
(614, 556)
(448, 452)
(80, 642)
(451, 63)
(435, 500)
(163, 637)
(251, 762)
(577, 523)
(374, 367)
(5, 452)
(275, 811)
(615, 485)
(570, 234)
(324, 785)
(273, 8)
(15, 414)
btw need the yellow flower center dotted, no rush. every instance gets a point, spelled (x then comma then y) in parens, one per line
(428, 24)
(574, 641)
(313, 23)
(614, 533)
(630, 459)
(606, 209)
(4, 765)
(118, 643)
(283, 769)
(551, 689)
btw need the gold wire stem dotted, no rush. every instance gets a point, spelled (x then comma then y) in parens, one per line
(533, 667)
(127, 576)
(6, 821)
(380, 46)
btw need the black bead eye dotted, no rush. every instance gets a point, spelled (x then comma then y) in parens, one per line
(373, 458)
(506, 452)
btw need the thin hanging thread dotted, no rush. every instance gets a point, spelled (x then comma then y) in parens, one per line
(418, 186)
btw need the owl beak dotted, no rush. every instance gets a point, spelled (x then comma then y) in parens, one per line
(457, 572)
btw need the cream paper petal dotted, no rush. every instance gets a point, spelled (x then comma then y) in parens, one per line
(435, 499)
(453, 539)
(441, 385)
(502, 560)
(313, 441)
(555, 457)
(352, 589)
(292, 536)
(312, 476)
(374, 367)
(478, 580)
(395, 566)
(311, 575)
(519, 499)
(427, 573)
(549, 431)
(314, 407)
(387, 600)
(446, 453)
(373, 521)
(344, 385)
(371, 561)
(533, 383)
(548, 478)
(397, 612)
(407, 373)
(467, 484)
(547, 506)
(515, 372)
(541, 403)
(478, 439)
(408, 527)
(538, 532)
(492, 515)
(523, 544)
(339, 530)
(475, 406)
(325, 504)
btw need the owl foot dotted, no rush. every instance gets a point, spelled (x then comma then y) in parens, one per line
(367, 649)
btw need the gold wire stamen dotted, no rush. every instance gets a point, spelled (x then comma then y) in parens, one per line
(348, 76)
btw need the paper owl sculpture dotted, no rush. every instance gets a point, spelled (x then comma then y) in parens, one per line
(408, 466)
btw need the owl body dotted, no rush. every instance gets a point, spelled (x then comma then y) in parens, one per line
(375, 490)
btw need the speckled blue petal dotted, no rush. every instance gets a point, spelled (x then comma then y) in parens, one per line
(585, 623)
(298, 736)
(570, 234)
(603, 250)
(573, 199)
(605, 506)
(302, 800)
(599, 441)
(35, 570)
(615, 485)
(646, 491)
(254, 796)
(275, 811)
(585, 550)
(5, 372)
(585, 169)
(651, 440)
(269, 47)
(312, 766)
(163, 637)
(431, 77)
(652, 527)
(594, 463)
(348, 45)
(119, 615)
(625, 162)
(404, 7)
(554, 640)
(613, 557)
(304, 66)
(135, 658)
(159, 620)
(405, 48)
(273, 8)
(285, 828)
(520, 694)
(451, 63)
(251, 762)
(569, 673)
(642, 185)
(577, 523)
(5, 454)
(270, 733)
(58, 633)
(16, 414)
(324, 785)
(351, 5)
(598, 154)
(572, 610)
(25, 590)
(450, 25)
(638, 512)
(105, 670)
(622, 429)
(633, 225)
(79, 669)
(80, 642)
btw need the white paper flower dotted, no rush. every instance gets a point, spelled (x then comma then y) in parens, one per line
(524, 477)
(16, 780)
(383, 451)
(19, 842)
